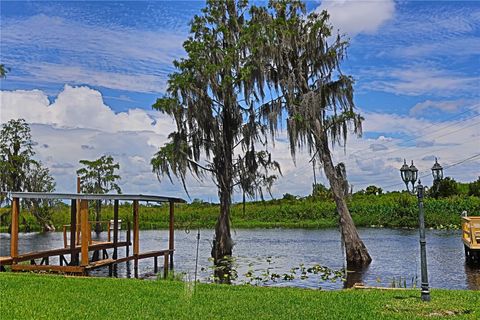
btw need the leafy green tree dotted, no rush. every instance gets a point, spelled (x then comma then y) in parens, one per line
(321, 192)
(474, 188)
(20, 172)
(3, 71)
(99, 176)
(16, 152)
(444, 188)
(39, 180)
(373, 190)
(213, 98)
(301, 67)
(289, 197)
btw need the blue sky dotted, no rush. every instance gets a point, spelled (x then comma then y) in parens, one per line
(85, 75)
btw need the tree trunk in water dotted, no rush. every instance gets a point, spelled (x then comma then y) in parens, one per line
(223, 244)
(98, 218)
(45, 222)
(355, 250)
(48, 227)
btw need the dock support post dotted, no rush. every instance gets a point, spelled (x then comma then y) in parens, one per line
(78, 212)
(165, 266)
(73, 232)
(171, 240)
(127, 248)
(115, 229)
(84, 230)
(136, 247)
(14, 229)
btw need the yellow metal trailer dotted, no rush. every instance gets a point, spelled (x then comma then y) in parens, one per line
(471, 238)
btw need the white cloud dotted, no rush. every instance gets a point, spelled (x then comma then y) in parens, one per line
(419, 80)
(93, 41)
(354, 17)
(77, 107)
(448, 48)
(112, 57)
(58, 73)
(378, 147)
(449, 106)
(78, 125)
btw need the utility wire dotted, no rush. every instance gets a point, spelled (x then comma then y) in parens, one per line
(435, 124)
(301, 169)
(446, 167)
(408, 140)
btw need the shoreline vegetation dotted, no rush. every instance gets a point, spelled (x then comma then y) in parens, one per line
(96, 298)
(391, 210)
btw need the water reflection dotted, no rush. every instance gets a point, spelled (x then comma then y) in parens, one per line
(473, 277)
(395, 254)
(354, 276)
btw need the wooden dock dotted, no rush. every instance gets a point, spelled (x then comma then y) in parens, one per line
(471, 238)
(78, 243)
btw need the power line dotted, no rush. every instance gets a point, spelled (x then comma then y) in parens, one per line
(412, 139)
(304, 172)
(435, 124)
(301, 169)
(446, 167)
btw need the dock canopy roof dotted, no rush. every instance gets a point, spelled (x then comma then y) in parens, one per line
(90, 196)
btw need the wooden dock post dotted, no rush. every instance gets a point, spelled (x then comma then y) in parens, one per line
(14, 229)
(78, 212)
(85, 230)
(171, 235)
(115, 229)
(136, 247)
(127, 248)
(165, 266)
(73, 232)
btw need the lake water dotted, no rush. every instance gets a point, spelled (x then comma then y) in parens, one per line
(395, 255)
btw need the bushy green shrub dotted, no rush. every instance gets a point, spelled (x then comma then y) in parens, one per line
(474, 188)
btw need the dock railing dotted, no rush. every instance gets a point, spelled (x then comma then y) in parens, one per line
(109, 224)
(471, 232)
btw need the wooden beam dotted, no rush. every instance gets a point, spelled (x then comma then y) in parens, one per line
(14, 228)
(136, 246)
(85, 236)
(73, 231)
(165, 266)
(64, 229)
(100, 263)
(65, 269)
(78, 211)
(5, 261)
(171, 235)
(55, 252)
(127, 248)
(151, 254)
(115, 228)
(125, 259)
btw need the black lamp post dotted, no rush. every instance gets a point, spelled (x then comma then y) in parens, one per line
(409, 175)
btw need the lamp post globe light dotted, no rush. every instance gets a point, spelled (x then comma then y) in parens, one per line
(437, 171)
(409, 174)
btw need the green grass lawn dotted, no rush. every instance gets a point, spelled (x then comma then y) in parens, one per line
(28, 296)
